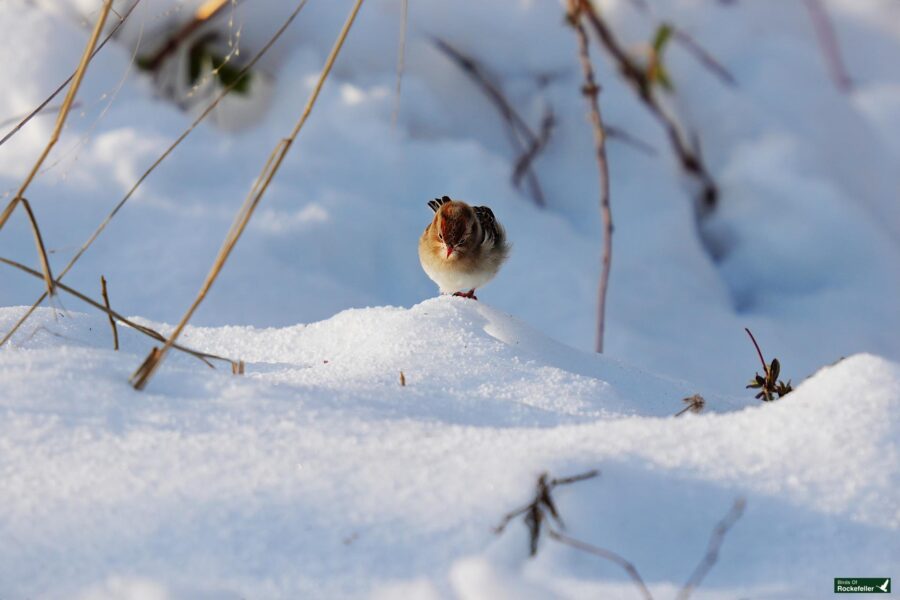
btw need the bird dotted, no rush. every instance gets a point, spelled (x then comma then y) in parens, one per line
(463, 247)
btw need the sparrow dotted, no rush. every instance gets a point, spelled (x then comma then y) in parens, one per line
(463, 247)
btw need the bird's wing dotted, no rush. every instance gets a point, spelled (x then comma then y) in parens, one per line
(438, 202)
(492, 231)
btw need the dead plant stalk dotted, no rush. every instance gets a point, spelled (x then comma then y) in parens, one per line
(112, 322)
(40, 107)
(591, 92)
(203, 356)
(146, 370)
(54, 137)
(688, 154)
(206, 112)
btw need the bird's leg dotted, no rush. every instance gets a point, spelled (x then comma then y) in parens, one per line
(469, 294)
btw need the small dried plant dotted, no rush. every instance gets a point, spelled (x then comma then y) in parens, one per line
(768, 384)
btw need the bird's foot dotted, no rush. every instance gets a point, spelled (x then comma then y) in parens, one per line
(469, 294)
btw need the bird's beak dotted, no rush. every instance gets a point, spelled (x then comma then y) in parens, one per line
(449, 251)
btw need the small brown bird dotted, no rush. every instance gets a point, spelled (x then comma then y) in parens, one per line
(463, 247)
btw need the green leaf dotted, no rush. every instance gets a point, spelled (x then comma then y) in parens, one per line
(663, 34)
(774, 369)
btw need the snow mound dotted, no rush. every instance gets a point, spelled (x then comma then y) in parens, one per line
(318, 475)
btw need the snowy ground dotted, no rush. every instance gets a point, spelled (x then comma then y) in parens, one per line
(319, 475)
(308, 478)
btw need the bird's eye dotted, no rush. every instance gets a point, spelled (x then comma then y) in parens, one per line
(441, 237)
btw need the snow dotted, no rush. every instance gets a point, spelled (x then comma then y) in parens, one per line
(317, 474)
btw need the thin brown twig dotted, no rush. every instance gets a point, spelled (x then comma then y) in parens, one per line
(42, 112)
(606, 555)
(591, 91)
(523, 165)
(828, 42)
(758, 351)
(688, 155)
(617, 133)
(112, 322)
(143, 374)
(203, 356)
(521, 136)
(712, 549)
(703, 56)
(690, 43)
(57, 130)
(200, 118)
(401, 59)
(56, 92)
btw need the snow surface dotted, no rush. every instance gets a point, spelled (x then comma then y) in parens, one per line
(319, 475)
(308, 478)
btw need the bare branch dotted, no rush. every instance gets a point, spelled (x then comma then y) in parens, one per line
(829, 44)
(145, 372)
(606, 555)
(521, 137)
(591, 90)
(688, 155)
(712, 549)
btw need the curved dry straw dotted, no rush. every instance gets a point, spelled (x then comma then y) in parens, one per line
(143, 374)
(200, 118)
(54, 137)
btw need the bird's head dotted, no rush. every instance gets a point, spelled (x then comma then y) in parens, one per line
(454, 224)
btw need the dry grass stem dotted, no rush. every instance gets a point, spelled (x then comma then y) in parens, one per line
(112, 322)
(39, 243)
(200, 118)
(205, 357)
(524, 141)
(591, 91)
(402, 379)
(145, 372)
(712, 549)
(56, 92)
(60, 121)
